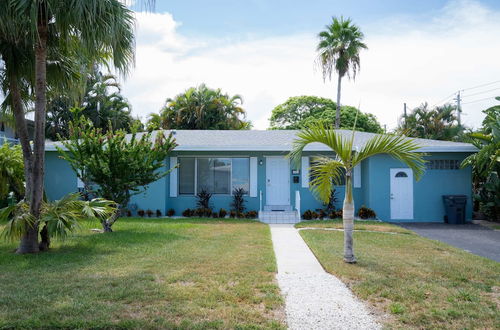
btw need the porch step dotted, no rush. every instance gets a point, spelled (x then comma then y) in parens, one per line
(279, 217)
(277, 208)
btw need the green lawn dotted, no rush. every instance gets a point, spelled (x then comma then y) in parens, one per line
(149, 273)
(420, 283)
(358, 225)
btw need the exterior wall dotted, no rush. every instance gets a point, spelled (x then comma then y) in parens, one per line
(60, 179)
(427, 193)
(374, 191)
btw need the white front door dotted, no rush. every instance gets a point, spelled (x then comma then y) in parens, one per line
(401, 193)
(277, 181)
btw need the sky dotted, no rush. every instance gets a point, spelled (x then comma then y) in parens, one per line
(265, 50)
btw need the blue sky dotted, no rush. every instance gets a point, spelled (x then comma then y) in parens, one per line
(419, 51)
(237, 18)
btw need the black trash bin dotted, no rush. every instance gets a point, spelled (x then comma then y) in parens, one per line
(454, 206)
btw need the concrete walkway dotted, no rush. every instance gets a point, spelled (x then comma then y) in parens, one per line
(314, 299)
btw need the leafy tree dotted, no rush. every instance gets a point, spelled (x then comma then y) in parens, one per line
(36, 30)
(327, 171)
(301, 111)
(438, 123)
(101, 102)
(201, 108)
(338, 50)
(486, 163)
(11, 171)
(120, 166)
(58, 218)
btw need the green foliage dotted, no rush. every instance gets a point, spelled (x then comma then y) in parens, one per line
(238, 202)
(120, 166)
(60, 217)
(102, 103)
(301, 111)
(486, 163)
(339, 47)
(366, 213)
(203, 199)
(328, 171)
(11, 171)
(439, 123)
(201, 108)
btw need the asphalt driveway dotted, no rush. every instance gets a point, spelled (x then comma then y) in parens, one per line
(473, 238)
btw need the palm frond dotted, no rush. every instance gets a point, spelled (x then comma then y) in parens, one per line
(325, 172)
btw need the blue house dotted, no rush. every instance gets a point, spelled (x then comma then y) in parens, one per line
(220, 161)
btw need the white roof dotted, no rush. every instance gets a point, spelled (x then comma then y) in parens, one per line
(276, 140)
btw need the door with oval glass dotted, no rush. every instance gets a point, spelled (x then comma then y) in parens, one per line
(277, 181)
(401, 194)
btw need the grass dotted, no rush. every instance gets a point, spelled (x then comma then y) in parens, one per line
(149, 273)
(358, 225)
(418, 282)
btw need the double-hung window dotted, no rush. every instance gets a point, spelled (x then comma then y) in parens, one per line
(217, 175)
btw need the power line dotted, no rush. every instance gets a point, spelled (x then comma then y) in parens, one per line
(489, 90)
(487, 84)
(486, 98)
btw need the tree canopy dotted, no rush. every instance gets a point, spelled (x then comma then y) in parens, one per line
(118, 165)
(438, 123)
(201, 108)
(301, 111)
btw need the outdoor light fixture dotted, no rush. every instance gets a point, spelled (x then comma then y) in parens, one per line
(261, 162)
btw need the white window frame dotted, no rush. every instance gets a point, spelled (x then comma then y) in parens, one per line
(230, 176)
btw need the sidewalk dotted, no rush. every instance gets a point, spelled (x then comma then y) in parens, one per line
(314, 299)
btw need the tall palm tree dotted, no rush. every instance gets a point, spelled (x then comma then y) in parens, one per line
(327, 171)
(338, 50)
(95, 27)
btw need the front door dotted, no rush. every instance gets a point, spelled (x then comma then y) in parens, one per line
(277, 181)
(401, 193)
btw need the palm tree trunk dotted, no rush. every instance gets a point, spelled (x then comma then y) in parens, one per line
(348, 220)
(29, 240)
(337, 113)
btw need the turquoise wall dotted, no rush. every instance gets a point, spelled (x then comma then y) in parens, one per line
(427, 193)
(60, 179)
(374, 191)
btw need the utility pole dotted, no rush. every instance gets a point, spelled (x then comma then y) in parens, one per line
(459, 110)
(404, 116)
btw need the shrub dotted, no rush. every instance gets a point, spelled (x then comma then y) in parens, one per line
(307, 215)
(203, 199)
(215, 215)
(129, 213)
(366, 213)
(314, 215)
(251, 215)
(330, 207)
(238, 203)
(171, 212)
(321, 214)
(141, 213)
(149, 213)
(207, 212)
(200, 212)
(222, 213)
(158, 213)
(339, 214)
(232, 214)
(187, 213)
(332, 215)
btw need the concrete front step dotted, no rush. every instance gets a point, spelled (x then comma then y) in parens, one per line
(276, 208)
(279, 216)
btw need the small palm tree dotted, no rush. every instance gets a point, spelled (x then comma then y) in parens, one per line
(338, 48)
(327, 171)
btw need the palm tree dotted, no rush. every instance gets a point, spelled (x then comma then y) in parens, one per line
(11, 171)
(93, 27)
(339, 46)
(327, 171)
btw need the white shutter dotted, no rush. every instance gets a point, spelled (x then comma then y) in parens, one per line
(173, 177)
(357, 176)
(305, 172)
(253, 176)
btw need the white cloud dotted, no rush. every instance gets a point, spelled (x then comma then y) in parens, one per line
(407, 61)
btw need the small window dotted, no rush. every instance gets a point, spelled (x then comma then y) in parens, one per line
(186, 176)
(401, 175)
(443, 164)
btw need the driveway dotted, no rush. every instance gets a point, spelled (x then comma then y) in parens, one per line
(472, 238)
